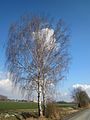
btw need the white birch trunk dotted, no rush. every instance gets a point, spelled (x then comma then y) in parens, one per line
(44, 103)
(44, 98)
(39, 99)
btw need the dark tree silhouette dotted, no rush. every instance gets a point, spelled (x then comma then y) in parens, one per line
(81, 97)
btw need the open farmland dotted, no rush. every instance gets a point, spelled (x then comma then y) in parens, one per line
(9, 105)
(64, 105)
(17, 110)
(17, 105)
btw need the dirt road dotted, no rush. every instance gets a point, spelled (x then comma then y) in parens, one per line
(84, 115)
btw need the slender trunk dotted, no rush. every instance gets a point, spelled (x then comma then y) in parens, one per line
(39, 99)
(44, 98)
(44, 104)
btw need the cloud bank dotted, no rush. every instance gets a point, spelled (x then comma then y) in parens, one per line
(7, 89)
(85, 87)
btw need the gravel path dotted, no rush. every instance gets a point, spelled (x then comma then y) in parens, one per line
(84, 115)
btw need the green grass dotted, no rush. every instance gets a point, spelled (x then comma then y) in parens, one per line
(66, 105)
(17, 105)
(5, 106)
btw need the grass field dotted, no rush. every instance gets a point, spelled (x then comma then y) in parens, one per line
(66, 105)
(17, 105)
(25, 105)
(17, 110)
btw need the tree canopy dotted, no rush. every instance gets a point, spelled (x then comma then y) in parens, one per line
(37, 54)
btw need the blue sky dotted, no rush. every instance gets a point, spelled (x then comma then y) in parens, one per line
(76, 13)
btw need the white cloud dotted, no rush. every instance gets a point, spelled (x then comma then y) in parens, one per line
(85, 87)
(47, 34)
(63, 96)
(7, 89)
(4, 75)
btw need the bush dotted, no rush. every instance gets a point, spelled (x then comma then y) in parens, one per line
(52, 111)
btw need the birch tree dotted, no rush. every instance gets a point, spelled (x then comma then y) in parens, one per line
(37, 55)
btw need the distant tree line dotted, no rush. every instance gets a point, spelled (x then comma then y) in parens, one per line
(2, 97)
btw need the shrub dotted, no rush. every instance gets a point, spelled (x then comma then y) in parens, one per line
(52, 111)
